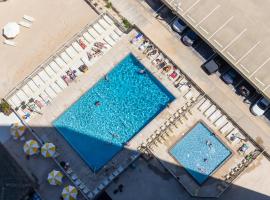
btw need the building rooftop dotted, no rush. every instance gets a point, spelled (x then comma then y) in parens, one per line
(232, 29)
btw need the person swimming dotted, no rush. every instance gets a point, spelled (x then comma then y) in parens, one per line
(97, 103)
(106, 77)
(142, 71)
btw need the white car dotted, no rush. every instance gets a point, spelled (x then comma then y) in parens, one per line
(178, 25)
(260, 106)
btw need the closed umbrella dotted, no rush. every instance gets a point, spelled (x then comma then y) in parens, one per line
(48, 150)
(31, 147)
(55, 177)
(11, 30)
(69, 193)
(17, 130)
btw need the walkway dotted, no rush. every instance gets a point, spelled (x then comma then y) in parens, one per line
(190, 64)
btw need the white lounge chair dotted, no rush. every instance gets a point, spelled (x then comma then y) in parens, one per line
(221, 121)
(55, 67)
(78, 182)
(86, 190)
(210, 110)
(118, 32)
(50, 92)
(27, 91)
(22, 96)
(49, 71)
(109, 41)
(88, 37)
(65, 57)
(71, 52)
(56, 88)
(44, 76)
(77, 47)
(15, 100)
(25, 24)
(61, 83)
(104, 24)
(228, 127)
(93, 33)
(90, 195)
(214, 116)
(99, 29)
(108, 19)
(10, 43)
(233, 136)
(46, 99)
(114, 36)
(37, 80)
(61, 63)
(205, 105)
(32, 86)
(29, 18)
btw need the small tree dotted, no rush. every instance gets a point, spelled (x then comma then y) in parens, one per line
(5, 107)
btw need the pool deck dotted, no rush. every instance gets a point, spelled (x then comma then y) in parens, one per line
(42, 124)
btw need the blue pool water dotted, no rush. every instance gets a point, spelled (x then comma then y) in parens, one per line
(128, 102)
(200, 152)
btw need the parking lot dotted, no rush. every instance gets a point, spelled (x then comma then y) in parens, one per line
(241, 87)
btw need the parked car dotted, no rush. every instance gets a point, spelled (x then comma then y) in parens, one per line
(189, 38)
(178, 25)
(230, 77)
(260, 107)
(211, 66)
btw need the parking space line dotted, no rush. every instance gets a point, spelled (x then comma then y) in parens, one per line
(248, 52)
(191, 6)
(204, 30)
(221, 27)
(234, 39)
(266, 88)
(177, 5)
(210, 13)
(229, 54)
(259, 81)
(218, 43)
(258, 68)
(244, 68)
(188, 15)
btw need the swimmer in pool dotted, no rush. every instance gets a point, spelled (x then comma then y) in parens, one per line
(142, 71)
(106, 77)
(97, 103)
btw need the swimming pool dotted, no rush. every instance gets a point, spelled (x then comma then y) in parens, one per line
(200, 152)
(128, 102)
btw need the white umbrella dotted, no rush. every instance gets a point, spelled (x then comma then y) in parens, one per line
(11, 30)
(31, 147)
(17, 130)
(55, 177)
(69, 193)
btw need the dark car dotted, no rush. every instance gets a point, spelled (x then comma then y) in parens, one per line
(213, 65)
(230, 77)
(189, 38)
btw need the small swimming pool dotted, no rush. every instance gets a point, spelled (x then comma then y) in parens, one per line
(109, 114)
(200, 152)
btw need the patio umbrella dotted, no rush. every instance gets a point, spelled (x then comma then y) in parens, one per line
(69, 193)
(11, 30)
(55, 177)
(48, 150)
(17, 130)
(31, 147)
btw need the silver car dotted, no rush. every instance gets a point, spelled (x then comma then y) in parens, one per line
(178, 26)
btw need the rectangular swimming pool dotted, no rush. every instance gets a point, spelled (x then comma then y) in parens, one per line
(109, 114)
(200, 152)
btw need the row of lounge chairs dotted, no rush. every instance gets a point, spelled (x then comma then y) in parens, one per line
(52, 78)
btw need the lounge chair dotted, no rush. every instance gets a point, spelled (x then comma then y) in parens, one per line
(95, 191)
(88, 37)
(74, 177)
(82, 186)
(137, 38)
(61, 64)
(93, 33)
(78, 182)
(22, 96)
(111, 177)
(44, 76)
(65, 57)
(101, 187)
(221, 121)
(61, 83)
(50, 92)
(115, 173)
(86, 190)
(46, 99)
(106, 182)
(28, 18)
(49, 71)
(243, 149)
(227, 128)
(10, 43)
(118, 32)
(56, 88)
(99, 29)
(56, 68)
(32, 86)
(77, 47)
(205, 105)
(25, 24)
(114, 36)
(214, 116)
(90, 195)
(104, 24)
(108, 19)
(210, 110)
(109, 41)
(144, 45)
(71, 52)
(27, 90)
(15, 101)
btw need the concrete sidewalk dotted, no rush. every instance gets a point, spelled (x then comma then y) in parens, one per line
(190, 63)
